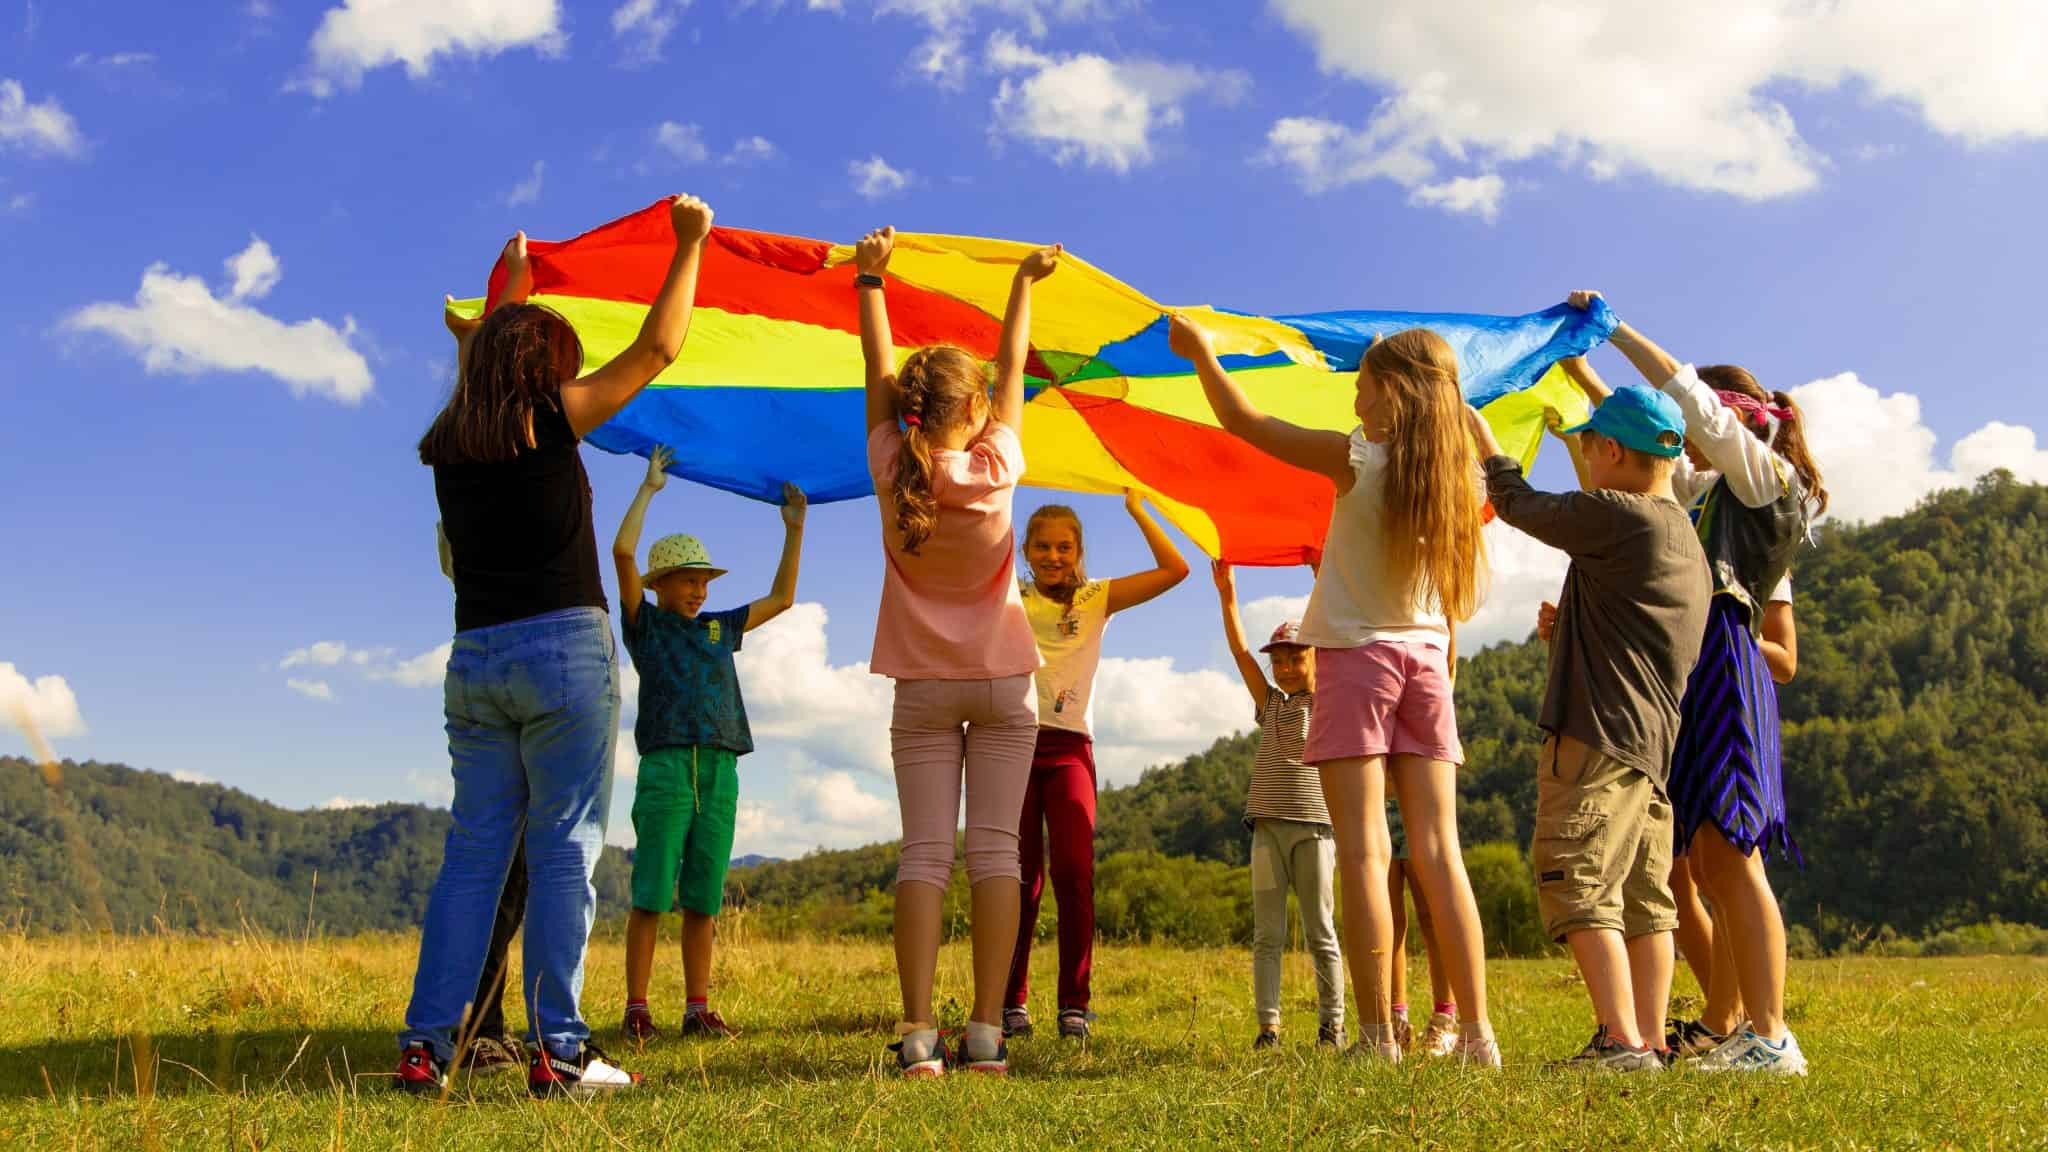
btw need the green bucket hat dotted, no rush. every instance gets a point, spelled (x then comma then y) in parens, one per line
(675, 554)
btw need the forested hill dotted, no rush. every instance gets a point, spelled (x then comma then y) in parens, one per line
(109, 846)
(1916, 742)
(1916, 736)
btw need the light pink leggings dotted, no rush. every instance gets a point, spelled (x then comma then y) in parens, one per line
(990, 726)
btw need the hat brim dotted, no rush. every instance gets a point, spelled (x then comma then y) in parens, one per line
(1666, 451)
(658, 573)
(1575, 429)
(1271, 645)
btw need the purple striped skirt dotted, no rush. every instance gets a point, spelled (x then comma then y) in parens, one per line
(1725, 770)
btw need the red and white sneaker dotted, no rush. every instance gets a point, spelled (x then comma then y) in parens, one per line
(420, 1072)
(589, 1072)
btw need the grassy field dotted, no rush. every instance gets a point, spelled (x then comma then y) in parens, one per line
(254, 1042)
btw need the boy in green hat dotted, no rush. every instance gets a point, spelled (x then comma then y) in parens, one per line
(691, 731)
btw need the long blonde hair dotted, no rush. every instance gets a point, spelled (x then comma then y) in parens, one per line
(1079, 578)
(1431, 513)
(938, 388)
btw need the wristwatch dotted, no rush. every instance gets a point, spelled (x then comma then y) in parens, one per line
(867, 280)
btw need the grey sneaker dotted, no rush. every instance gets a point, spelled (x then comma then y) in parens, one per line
(1603, 1053)
(1017, 1021)
(1749, 1052)
(1074, 1023)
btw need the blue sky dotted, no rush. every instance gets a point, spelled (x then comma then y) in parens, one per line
(208, 469)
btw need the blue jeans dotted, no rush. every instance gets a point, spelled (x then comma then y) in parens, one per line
(533, 713)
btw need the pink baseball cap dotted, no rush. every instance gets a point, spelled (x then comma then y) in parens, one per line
(1287, 635)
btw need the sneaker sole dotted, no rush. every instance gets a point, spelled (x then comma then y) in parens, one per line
(984, 1068)
(927, 1070)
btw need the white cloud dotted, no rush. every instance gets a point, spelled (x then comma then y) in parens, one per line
(254, 270)
(644, 26)
(837, 715)
(362, 35)
(310, 689)
(43, 127)
(435, 786)
(187, 776)
(1685, 93)
(339, 803)
(45, 703)
(1465, 195)
(1877, 458)
(329, 654)
(1148, 712)
(751, 150)
(1092, 110)
(528, 190)
(177, 325)
(1034, 15)
(113, 60)
(821, 810)
(18, 203)
(685, 142)
(942, 58)
(422, 671)
(1522, 573)
(874, 179)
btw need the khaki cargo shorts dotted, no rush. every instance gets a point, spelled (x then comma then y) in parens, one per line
(1603, 845)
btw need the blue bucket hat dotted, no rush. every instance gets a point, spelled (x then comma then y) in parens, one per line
(1638, 416)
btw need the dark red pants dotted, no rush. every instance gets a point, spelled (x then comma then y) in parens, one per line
(1059, 811)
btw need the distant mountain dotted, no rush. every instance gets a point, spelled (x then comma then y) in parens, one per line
(106, 845)
(753, 859)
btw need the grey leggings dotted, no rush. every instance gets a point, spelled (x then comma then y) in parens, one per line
(1290, 854)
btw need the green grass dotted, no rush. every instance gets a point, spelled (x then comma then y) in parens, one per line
(172, 1042)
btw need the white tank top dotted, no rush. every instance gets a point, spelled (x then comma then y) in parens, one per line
(1070, 641)
(1354, 603)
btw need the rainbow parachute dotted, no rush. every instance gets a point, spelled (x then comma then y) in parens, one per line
(768, 387)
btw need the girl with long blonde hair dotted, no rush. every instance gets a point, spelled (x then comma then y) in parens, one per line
(1402, 562)
(945, 457)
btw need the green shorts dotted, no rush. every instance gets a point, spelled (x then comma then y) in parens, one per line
(684, 803)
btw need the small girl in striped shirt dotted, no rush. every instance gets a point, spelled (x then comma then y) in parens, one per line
(1292, 842)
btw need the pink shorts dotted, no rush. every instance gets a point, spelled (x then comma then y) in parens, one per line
(1383, 698)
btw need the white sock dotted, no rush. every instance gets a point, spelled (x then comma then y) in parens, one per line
(983, 1040)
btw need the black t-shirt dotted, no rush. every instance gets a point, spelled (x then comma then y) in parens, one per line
(520, 530)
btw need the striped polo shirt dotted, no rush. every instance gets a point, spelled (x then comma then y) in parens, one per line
(1282, 787)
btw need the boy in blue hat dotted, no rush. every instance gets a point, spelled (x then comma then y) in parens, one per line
(1628, 631)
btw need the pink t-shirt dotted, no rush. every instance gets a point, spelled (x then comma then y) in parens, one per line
(953, 612)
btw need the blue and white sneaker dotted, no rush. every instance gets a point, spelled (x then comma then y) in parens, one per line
(920, 1053)
(1748, 1052)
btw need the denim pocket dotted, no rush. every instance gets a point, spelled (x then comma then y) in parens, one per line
(583, 667)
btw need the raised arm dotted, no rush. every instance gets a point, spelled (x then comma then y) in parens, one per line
(1567, 521)
(1169, 567)
(596, 398)
(1233, 635)
(518, 286)
(783, 593)
(877, 349)
(1743, 460)
(1016, 339)
(626, 545)
(1325, 453)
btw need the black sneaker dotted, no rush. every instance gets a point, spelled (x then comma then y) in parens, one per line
(1074, 1023)
(1330, 1036)
(1603, 1053)
(589, 1072)
(491, 1054)
(1017, 1021)
(1267, 1039)
(420, 1072)
(1691, 1038)
(706, 1022)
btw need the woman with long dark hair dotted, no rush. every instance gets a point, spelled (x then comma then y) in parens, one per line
(532, 690)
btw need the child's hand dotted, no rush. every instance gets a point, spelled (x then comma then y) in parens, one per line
(459, 326)
(1482, 434)
(1186, 338)
(1040, 264)
(657, 468)
(871, 255)
(1553, 420)
(1133, 503)
(1546, 621)
(518, 270)
(794, 505)
(692, 219)
(1582, 299)
(1226, 577)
